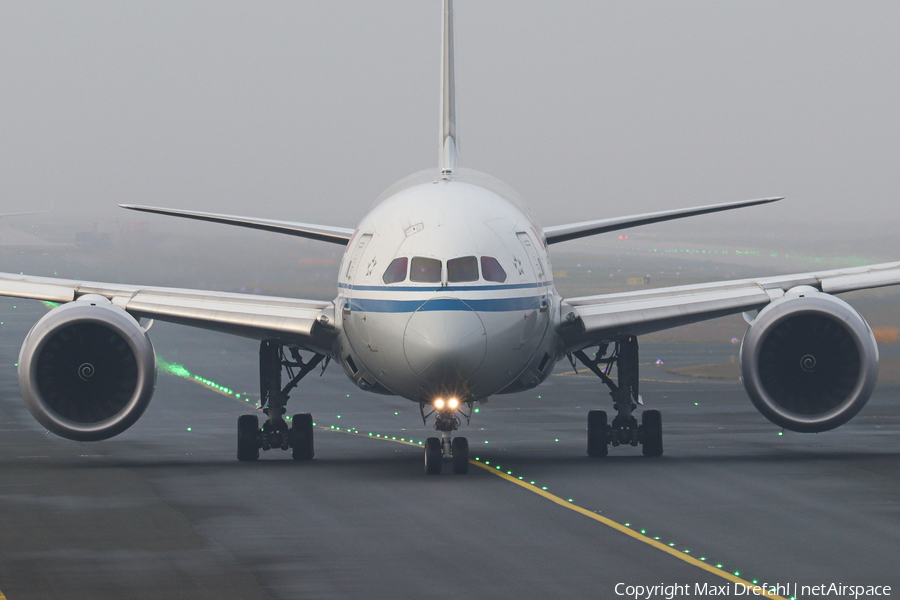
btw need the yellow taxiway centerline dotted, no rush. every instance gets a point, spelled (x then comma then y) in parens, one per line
(557, 500)
(629, 532)
(751, 587)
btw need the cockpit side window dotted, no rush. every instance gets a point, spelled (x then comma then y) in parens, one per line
(491, 269)
(396, 271)
(460, 270)
(425, 270)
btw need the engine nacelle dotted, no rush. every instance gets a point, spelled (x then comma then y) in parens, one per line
(809, 361)
(87, 370)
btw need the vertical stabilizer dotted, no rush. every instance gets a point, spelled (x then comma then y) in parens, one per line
(448, 140)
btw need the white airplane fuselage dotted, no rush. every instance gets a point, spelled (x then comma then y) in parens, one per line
(423, 310)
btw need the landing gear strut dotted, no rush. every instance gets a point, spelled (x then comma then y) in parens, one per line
(624, 429)
(437, 450)
(275, 432)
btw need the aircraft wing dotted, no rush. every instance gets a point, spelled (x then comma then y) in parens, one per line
(322, 233)
(308, 323)
(593, 319)
(573, 231)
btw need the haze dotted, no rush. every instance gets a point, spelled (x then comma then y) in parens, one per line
(308, 110)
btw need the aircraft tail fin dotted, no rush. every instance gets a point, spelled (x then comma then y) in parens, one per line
(448, 142)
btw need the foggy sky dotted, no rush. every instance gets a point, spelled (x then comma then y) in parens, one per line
(308, 110)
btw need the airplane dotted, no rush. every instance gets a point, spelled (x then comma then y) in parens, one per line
(446, 298)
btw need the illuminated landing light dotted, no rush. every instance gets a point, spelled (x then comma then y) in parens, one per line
(452, 403)
(439, 403)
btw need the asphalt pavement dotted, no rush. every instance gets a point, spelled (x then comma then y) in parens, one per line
(166, 511)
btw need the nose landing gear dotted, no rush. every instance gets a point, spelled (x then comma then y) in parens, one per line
(624, 429)
(437, 450)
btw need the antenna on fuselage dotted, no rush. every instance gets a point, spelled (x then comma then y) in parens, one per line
(448, 156)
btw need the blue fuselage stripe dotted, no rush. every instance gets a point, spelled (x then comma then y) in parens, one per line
(445, 304)
(459, 288)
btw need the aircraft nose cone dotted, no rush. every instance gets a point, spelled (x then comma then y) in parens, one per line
(444, 341)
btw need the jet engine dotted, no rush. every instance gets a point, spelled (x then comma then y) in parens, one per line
(809, 361)
(87, 370)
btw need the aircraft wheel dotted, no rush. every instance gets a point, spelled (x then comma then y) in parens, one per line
(302, 437)
(460, 455)
(598, 434)
(248, 437)
(651, 426)
(433, 456)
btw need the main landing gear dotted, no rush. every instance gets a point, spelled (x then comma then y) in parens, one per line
(437, 450)
(624, 428)
(275, 432)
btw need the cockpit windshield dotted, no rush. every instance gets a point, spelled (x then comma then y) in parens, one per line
(461, 270)
(425, 270)
(491, 270)
(396, 271)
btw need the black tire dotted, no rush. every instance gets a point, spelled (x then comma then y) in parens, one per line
(460, 447)
(434, 456)
(302, 437)
(651, 429)
(598, 434)
(248, 437)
